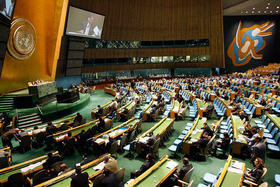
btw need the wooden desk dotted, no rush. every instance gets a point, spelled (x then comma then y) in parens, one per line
(238, 140)
(76, 130)
(155, 175)
(117, 131)
(64, 180)
(6, 172)
(200, 107)
(130, 106)
(146, 111)
(8, 158)
(193, 135)
(105, 108)
(274, 118)
(175, 109)
(230, 176)
(110, 91)
(159, 129)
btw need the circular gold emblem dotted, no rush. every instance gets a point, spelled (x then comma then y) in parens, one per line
(22, 39)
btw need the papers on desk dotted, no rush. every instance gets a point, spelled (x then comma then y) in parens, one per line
(234, 170)
(144, 139)
(237, 165)
(115, 132)
(99, 166)
(31, 167)
(128, 182)
(193, 140)
(61, 137)
(101, 140)
(194, 132)
(240, 138)
(171, 164)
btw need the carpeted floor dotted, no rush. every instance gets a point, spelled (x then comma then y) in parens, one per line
(212, 164)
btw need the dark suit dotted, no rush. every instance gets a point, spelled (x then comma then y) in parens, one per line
(208, 130)
(110, 180)
(182, 172)
(80, 180)
(50, 161)
(258, 151)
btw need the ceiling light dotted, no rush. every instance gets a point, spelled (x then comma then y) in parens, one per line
(270, 11)
(277, 7)
(276, 11)
(253, 12)
(254, 8)
(267, 7)
(264, 11)
(268, 3)
(246, 12)
(259, 11)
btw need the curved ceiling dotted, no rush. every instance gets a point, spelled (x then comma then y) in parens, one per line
(251, 7)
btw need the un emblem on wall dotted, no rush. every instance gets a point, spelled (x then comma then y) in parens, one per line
(22, 39)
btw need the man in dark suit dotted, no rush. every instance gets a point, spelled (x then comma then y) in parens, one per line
(258, 149)
(90, 28)
(207, 130)
(51, 160)
(80, 179)
(146, 165)
(182, 172)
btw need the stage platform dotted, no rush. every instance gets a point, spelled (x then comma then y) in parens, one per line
(52, 110)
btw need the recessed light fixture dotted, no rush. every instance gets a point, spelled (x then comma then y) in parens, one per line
(253, 12)
(268, 3)
(246, 12)
(264, 11)
(276, 11)
(259, 11)
(267, 7)
(270, 11)
(277, 7)
(254, 8)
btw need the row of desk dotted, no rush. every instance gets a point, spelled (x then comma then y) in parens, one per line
(26, 168)
(64, 180)
(193, 135)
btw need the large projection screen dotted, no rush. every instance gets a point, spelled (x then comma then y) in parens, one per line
(7, 8)
(83, 23)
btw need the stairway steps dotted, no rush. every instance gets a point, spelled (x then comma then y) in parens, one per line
(30, 115)
(29, 118)
(29, 125)
(29, 121)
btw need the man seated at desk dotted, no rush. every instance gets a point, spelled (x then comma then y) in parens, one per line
(124, 114)
(148, 146)
(145, 166)
(200, 144)
(99, 112)
(51, 160)
(180, 173)
(50, 128)
(78, 120)
(207, 130)
(80, 179)
(221, 143)
(101, 124)
(111, 164)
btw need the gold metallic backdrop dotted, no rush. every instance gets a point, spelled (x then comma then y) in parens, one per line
(48, 18)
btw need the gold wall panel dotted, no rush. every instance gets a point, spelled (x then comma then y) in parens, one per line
(48, 19)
